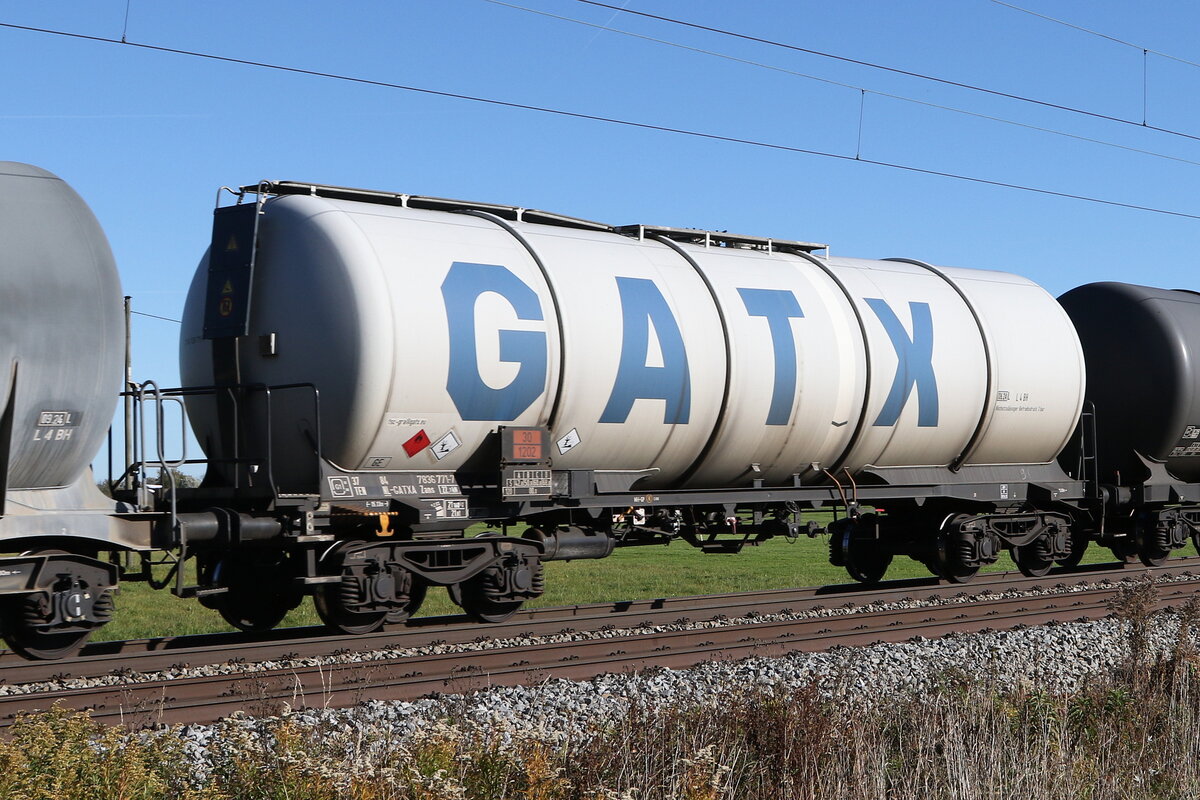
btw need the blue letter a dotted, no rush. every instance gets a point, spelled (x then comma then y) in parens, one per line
(914, 364)
(643, 305)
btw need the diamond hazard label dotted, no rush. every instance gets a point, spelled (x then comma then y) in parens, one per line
(568, 442)
(418, 442)
(446, 445)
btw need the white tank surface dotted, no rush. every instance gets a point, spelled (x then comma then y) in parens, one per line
(418, 328)
(643, 363)
(61, 330)
(712, 360)
(797, 367)
(967, 366)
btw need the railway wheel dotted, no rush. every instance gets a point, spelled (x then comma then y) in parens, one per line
(837, 555)
(868, 565)
(1032, 560)
(863, 554)
(38, 643)
(486, 596)
(372, 588)
(254, 619)
(1125, 549)
(953, 557)
(955, 572)
(335, 610)
(1079, 546)
(474, 599)
(1148, 547)
(260, 590)
(416, 597)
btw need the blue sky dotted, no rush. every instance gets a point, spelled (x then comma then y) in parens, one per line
(147, 137)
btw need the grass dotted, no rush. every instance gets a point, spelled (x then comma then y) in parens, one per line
(1132, 733)
(628, 574)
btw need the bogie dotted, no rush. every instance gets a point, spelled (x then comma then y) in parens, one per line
(68, 598)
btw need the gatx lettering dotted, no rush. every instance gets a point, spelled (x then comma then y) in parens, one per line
(474, 399)
(643, 307)
(779, 307)
(645, 312)
(914, 363)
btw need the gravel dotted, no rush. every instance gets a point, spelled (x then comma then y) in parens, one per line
(1054, 658)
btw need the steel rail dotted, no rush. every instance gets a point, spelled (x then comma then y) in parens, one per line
(267, 691)
(173, 653)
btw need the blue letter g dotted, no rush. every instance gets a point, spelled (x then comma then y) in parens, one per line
(473, 398)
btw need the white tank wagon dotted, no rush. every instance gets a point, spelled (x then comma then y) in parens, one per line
(478, 362)
(703, 364)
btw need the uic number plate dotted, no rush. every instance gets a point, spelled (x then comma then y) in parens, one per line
(400, 485)
(526, 483)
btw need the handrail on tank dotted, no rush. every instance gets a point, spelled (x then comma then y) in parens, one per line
(316, 410)
(707, 238)
(517, 213)
(176, 394)
(238, 193)
(267, 390)
(149, 391)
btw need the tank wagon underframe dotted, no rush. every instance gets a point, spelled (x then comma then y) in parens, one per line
(371, 544)
(375, 554)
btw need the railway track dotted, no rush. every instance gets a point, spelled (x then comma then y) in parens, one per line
(450, 656)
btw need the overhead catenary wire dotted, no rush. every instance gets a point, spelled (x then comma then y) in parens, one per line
(1098, 34)
(860, 89)
(1145, 51)
(156, 316)
(600, 118)
(899, 71)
